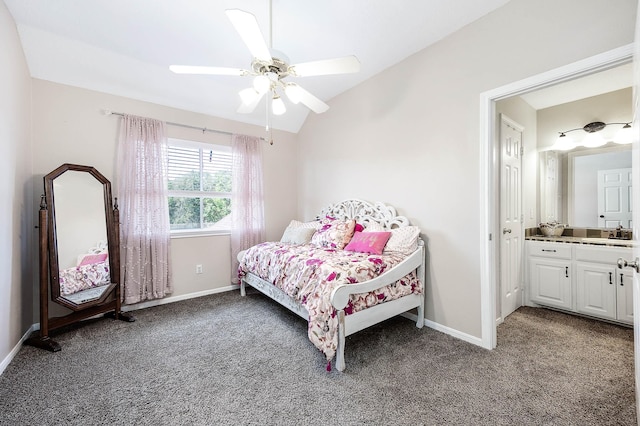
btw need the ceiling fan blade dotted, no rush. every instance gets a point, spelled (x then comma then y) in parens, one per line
(310, 101)
(189, 69)
(247, 26)
(247, 108)
(345, 65)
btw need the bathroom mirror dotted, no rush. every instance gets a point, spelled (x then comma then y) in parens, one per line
(79, 249)
(573, 191)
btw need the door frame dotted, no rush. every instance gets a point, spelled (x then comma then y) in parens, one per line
(489, 169)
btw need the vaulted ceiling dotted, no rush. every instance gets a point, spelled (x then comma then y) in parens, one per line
(124, 47)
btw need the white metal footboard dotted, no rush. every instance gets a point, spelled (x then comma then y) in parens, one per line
(349, 324)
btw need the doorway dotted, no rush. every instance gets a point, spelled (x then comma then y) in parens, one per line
(489, 210)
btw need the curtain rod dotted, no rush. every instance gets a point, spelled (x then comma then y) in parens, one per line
(186, 126)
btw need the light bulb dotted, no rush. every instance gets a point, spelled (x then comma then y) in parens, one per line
(261, 83)
(624, 135)
(293, 93)
(248, 95)
(593, 140)
(564, 143)
(277, 106)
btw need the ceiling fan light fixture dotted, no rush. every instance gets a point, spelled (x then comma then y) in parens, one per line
(293, 93)
(277, 106)
(261, 83)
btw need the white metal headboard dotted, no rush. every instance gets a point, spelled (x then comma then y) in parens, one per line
(364, 212)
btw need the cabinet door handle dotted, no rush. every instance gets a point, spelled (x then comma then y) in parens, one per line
(549, 250)
(566, 272)
(610, 277)
(621, 283)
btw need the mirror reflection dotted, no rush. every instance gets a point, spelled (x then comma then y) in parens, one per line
(590, 188)
(81, 233)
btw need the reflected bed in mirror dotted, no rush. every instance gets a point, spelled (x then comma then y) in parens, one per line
(587, 188)
(81, 236)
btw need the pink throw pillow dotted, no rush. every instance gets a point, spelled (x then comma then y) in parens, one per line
(93, 258)
(368, 242)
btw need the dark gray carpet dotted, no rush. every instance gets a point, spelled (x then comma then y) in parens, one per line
(223, 359)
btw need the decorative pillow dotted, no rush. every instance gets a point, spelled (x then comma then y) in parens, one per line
(297, 224)
(334, 233)
(403, 240)
(358, 227)
(88, 259)
(368, 242)
(297, 235)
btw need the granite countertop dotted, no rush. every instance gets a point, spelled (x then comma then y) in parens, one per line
(583, 240)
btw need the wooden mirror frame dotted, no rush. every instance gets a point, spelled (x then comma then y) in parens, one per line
(110, 301)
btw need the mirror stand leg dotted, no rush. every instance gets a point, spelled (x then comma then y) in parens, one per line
(43, 342)
(122, 316)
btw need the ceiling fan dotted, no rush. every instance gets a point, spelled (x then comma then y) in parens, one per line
(270, 67)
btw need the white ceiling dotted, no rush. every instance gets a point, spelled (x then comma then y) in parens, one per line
(124, 47)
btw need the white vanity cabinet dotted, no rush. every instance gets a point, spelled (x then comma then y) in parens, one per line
(581, 278)
(550, 273)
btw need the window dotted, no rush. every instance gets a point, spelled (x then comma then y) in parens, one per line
(199, 186)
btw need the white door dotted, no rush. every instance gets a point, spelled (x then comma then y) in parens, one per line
(510, 216)
(614, 198)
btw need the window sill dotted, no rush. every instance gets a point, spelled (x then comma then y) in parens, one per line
(198, 233)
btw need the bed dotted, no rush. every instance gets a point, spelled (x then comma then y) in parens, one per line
(356, 265)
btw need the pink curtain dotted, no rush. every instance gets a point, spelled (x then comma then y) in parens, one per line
(247, 203)
(144, 210)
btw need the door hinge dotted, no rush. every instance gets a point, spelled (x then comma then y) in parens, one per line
(521, 151)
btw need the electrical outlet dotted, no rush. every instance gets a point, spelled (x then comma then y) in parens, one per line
(198, 269)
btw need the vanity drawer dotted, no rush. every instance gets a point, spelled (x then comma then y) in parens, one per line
(607, 255)
(553, 250)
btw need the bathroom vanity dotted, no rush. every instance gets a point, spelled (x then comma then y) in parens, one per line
(581, 275)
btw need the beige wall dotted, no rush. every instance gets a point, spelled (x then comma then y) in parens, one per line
(16, 226)
(410, 135)
(69, 127)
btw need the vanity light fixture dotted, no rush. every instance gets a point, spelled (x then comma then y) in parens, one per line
(593, 139)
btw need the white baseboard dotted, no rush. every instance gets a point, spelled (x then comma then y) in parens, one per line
(446, 330)
(7, 360)
(164, 301)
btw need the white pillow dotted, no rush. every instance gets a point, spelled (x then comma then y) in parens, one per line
(298, 235)
(403, 240)
(297, 224)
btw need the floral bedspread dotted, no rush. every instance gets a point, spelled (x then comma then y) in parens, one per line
(309, 273)
(78, 278)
